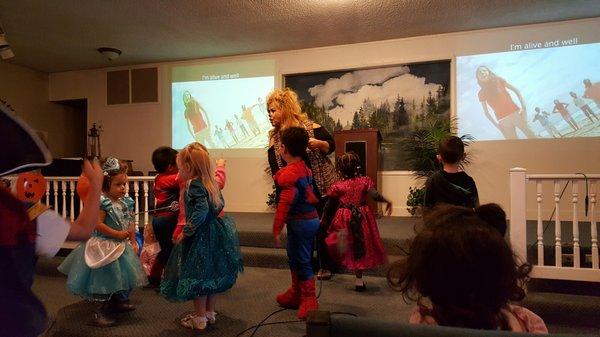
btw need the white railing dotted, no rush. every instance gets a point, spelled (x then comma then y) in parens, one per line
(61, 196)
(582, 187)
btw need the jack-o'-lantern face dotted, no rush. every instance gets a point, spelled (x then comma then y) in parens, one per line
(31, 186)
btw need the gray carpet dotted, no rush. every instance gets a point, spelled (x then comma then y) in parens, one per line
(252, 298)
(247, 303)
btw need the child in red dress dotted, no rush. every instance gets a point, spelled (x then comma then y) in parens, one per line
(353, 235)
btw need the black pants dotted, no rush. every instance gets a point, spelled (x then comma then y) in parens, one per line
(323, 259)
(164, 226)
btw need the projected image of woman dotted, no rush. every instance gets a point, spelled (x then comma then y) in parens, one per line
(494, 94)
(197, 120)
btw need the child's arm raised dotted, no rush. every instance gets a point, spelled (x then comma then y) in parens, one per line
(84, 225)
(104, 229)
(220, 175)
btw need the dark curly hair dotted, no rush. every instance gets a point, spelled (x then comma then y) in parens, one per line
(162, 157)
(348, 165)
(465, 267)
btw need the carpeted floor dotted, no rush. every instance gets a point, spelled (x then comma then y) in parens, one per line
(250, 300)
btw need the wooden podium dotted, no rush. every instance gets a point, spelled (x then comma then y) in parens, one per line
(365, 143)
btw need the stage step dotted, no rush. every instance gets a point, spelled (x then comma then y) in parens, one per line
(565, 309)
(255, 230)
(277, 258)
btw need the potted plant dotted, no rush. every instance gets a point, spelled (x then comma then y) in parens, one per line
(420, 148)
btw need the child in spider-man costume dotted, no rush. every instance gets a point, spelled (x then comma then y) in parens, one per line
(296, 208)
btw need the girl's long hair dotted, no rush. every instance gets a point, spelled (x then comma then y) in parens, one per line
(489, 87)
(195, 158)
(288, 103)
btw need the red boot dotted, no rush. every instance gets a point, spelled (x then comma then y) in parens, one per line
(291, 298)
(308, 298)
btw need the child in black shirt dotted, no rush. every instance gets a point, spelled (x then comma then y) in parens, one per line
(450, 185)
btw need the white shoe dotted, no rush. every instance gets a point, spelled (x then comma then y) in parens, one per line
(211, 317)
(194, 322)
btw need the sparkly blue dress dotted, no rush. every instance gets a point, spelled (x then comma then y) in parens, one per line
(208, 259)
(104, 266)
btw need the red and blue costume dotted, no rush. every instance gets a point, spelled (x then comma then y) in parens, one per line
(296, 208)
(166, 191)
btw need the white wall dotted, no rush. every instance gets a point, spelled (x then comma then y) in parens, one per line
(26, 91)
(133, 131)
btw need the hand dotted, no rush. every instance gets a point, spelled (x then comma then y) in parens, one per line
(315, 144)
(221, 161)
(178, 239)
(93, 172)
(123, 235)
(278, 240)
(388, 208)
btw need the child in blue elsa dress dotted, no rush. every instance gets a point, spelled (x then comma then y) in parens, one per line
(106, 268)
(206, 258)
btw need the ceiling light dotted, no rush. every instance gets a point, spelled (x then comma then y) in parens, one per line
(109, 53)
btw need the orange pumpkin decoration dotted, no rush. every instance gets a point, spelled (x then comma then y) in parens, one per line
(31, 186)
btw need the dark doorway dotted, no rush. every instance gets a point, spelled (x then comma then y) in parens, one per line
(74, 136)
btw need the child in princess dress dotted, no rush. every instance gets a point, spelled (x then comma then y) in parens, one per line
(206, 258)
(353, 236)
(106, 268)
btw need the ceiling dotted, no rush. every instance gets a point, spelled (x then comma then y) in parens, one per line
(60, 35)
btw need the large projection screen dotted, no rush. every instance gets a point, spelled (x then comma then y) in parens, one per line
(540, 90)
(222, 106)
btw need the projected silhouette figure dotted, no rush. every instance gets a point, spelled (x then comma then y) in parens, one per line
(592, 91)
(241, 126)
(219, 134)
(583, 106)
(542, 118)
(561, 108)
(197, 120)
(262, 107)
(249, 118)
(494, 94)
(229, 127)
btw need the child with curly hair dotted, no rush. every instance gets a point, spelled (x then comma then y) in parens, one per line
(461, 263)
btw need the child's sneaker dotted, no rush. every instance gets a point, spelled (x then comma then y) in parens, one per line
(194, 322)
(211, 317)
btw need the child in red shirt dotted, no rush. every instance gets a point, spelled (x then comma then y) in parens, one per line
(166, 191)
